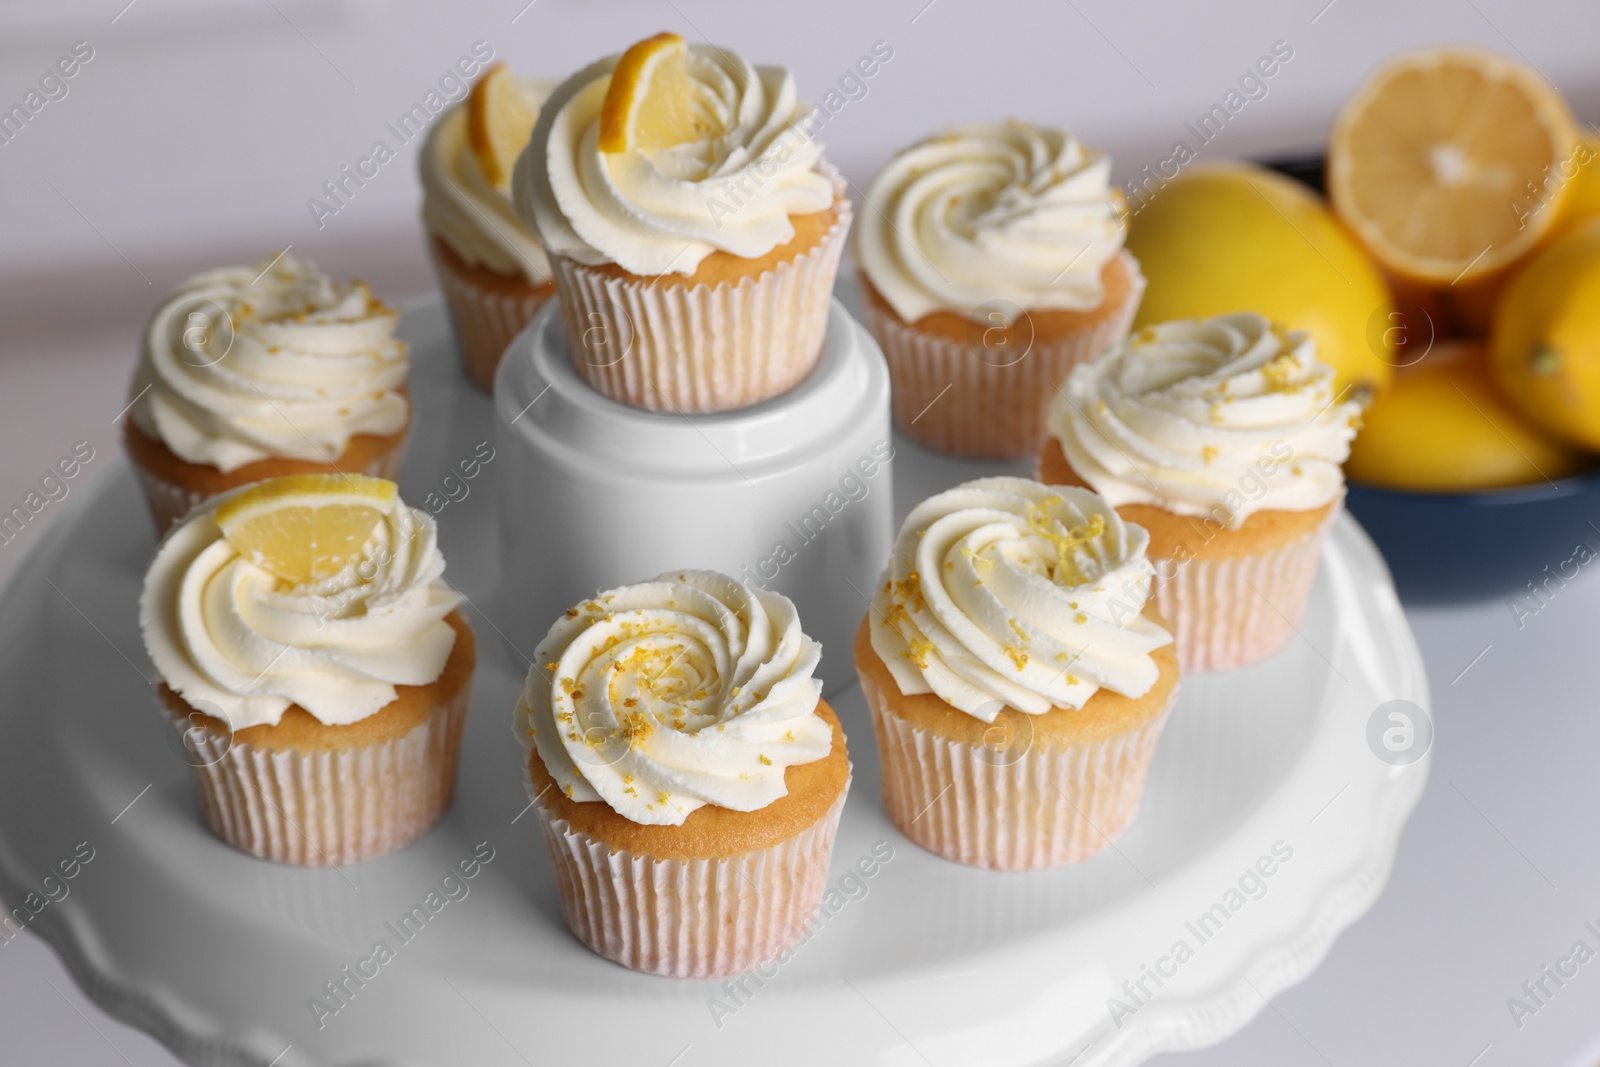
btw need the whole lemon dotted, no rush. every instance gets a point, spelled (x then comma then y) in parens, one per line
(1545, 343)
(1235, 237)
(1442, 427)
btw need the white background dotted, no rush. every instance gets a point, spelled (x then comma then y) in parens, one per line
(197, 132)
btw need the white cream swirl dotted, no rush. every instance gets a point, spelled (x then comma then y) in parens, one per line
(1221, 417)
(1004, 592)
(276, 360)
(658, 211)
(235, 641)
(996, 213)
(687, 690)
(470, 214)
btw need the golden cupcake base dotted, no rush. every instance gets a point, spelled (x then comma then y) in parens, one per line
(717, 895)
(1233, 596)
(983, 391)
(487, 309)
(733, 333)
(1024, 793)
(312, 795)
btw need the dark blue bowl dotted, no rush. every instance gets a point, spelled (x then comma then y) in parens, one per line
(1450, 547)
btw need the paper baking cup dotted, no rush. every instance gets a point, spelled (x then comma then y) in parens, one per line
(1227, 613)
(486, 319)
(955, 396)
(327, 809)
(700, 348)
(694, 918)
(1046, 807)
(170, 502)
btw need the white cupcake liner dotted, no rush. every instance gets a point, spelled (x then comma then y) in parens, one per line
(690, 918)
(1042, 807)
(957, 397)
(687, 349)
(170, 502)
(326, 809)
(1227, 613)
(486, 320)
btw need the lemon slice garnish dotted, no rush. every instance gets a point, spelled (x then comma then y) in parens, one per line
(305, 527)
(652, 101)
(500, 119)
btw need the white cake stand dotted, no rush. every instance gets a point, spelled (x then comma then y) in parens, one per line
(220, 956)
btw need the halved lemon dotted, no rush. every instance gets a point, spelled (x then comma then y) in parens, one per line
(303, 527)
(1443, 162)
(500, 120)
(652, 101)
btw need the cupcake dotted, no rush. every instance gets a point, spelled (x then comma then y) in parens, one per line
(250, 373)
(686, 771)
(319, 685)
(493, 271)
(1222, 437)
(992, 263)
(692, 225)
(1017, 673)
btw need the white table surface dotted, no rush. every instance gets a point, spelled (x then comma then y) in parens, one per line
(197, 132)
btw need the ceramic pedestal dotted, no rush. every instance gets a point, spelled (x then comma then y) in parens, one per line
(793, 494)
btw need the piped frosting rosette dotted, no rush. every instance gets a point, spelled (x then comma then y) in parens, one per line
(1182, 415)
(708, 264)
(1006, 593)
(273, 361)
(226, 634)
(470, 213)
(663, 211)
(661, 697)
(991, 217)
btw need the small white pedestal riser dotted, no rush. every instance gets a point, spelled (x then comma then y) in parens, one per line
(793, 494)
